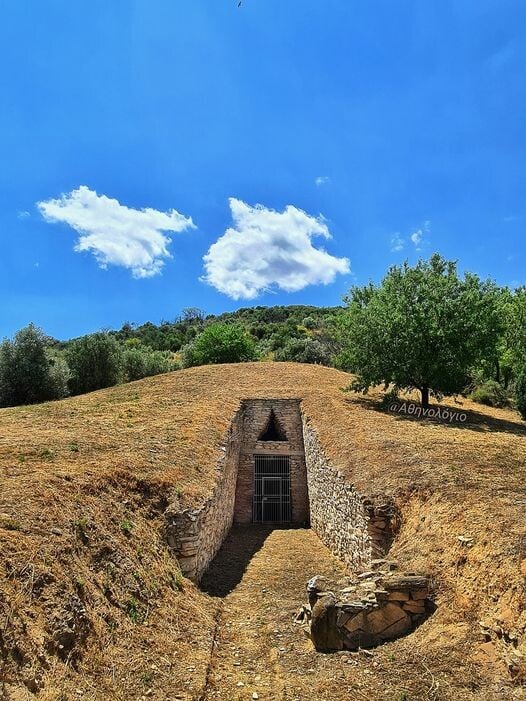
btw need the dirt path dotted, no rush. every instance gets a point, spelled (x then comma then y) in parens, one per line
(259, 649)
(259, 580)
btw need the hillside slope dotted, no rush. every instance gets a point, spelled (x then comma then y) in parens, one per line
(91, 600)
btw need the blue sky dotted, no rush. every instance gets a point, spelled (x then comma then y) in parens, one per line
(368, 132)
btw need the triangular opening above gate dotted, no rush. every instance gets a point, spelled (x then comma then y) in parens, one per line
(273, 431)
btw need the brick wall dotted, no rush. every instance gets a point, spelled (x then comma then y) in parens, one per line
(256, 414)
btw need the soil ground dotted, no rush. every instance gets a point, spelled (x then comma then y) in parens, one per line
(259, 577)
(92, 602)
(258, 647)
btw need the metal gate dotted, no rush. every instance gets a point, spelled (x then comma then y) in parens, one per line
(271, 489)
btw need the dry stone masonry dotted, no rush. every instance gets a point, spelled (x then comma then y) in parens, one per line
(383, 521)
(372, 608)
(355, 528)
(195, 535)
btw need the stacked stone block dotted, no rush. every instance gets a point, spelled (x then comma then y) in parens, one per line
(195, 535)
(356, 529)
(338, 513)
(375, 607)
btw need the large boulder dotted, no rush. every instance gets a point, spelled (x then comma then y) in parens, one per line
(372, 627)
(323, 629)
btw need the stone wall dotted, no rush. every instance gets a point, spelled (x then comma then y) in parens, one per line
(356, 529)
(376, 606)
(195, 535)
(383, 523)
(338, 513)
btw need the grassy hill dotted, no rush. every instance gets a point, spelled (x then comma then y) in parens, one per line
(92, 604)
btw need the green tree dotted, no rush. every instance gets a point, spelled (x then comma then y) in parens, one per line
(516, 329)
(26, 369)
(520, 392)
(192, 314)
(95, 362)
(220, 343)
(59, 374)
(423, 327)
(510, 352)
(139, 362)
(159, 362)
(304, 350)
(133, 363)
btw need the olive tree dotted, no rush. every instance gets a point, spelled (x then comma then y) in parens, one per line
(141, 361)
(423, 327)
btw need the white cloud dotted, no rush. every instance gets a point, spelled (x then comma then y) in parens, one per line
(418, 237)
(114, 233)
(322, 180)
(266, 249)
(397, 242)
(23, 214)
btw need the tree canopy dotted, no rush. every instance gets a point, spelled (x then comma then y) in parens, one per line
(28, 373)
(95, 362)
(423, 327)
(220, 343)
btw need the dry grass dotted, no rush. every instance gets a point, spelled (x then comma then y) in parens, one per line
(84, 483)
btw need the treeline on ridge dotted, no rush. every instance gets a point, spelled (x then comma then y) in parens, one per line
(423, 327)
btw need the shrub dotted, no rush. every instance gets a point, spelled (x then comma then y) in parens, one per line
(309, 322)
(59, 376)
(490, 393)
(219, 343)
(520, 392)
(127, 526)
(134, 364)
(95, 362)
(159, 362)
(304, 350)
(390, 397)
(139, 362)
(27, 372)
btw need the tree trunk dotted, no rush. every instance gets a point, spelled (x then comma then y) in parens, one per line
(425, 396)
